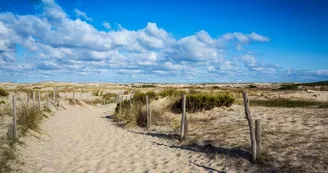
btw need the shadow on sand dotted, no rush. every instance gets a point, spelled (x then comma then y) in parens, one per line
(206, 148)
(158, 135)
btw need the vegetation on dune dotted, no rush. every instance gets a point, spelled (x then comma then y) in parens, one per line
(288, 103)
(200, 102)
(169, 92)
(28, 118)
(294, 86)
(288, 87)
(108, 95)
(3, 92)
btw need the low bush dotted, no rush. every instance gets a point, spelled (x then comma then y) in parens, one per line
(96, 93)
(135, 115)
(288, 103)
(3, 92)
(109, 95)
(200, 102)
(29, 118)
(288, 87)
(169, 92)
(252, 86)
(2, 102)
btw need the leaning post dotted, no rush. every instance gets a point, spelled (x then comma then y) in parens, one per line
(251, 129)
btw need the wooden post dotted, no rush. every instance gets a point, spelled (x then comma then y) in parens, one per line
(149, 117)
(73, 96)
(39, 100)
(28, 98)
(54, 97)
(183, 126)
(147, 111)
(258, 137)
(120, 104)
(249, 119)
(47, 99)
(14, 117)
(33, 98)
(131, 101)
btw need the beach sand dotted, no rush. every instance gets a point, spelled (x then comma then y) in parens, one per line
(84, 139)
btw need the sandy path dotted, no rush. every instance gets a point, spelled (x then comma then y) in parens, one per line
(79, 140)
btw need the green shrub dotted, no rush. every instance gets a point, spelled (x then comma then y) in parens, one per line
(2, 102)
(252, 86)
(193, 91)
(199, 102)
(288, 87)
(96, 92)
(109, 95)
(215, 87)
(141, 97)
(135, 115)
(171, 92)
(287, 103)
(148, 86)
(3, 92)
(29, 118)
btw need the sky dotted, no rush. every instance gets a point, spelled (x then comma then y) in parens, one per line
(195, 41)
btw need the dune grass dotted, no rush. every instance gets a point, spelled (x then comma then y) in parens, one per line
(28, 118)
(3, 92)
(288, 103)
(204, 101)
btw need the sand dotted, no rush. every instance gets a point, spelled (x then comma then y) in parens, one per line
(86, 140)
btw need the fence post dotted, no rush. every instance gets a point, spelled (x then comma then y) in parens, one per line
(258, 137)
(47, 99)
(120, 103)
(13, 129)
(39, 99)
(54, 97)
(73, 95)
(184, 124)
(147, 111)
(33, 98)
(28, 98)
(249, 119)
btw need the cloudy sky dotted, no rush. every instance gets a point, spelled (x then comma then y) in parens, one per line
(163, 41)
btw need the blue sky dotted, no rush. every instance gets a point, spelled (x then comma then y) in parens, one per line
(163, 41)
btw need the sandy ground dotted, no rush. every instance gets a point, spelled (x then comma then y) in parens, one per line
(86, 140)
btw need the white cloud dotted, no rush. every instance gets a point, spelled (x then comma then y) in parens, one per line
(57, 44)
(106, 25)
(81, 14)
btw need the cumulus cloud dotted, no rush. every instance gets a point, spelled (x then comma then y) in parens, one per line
(81, 14)
(59, 46)
(106, 25)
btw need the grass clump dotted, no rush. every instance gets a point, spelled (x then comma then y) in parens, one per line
(108, 95)
(3, 92)
(288, 87)
(135, 114)
(169, 92)
(2, 102)
(288, 103)
(200, 102)
(29, 118)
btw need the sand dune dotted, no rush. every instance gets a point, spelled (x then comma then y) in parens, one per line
(86, 140)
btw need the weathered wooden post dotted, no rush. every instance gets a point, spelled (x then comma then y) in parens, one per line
(39, 99)
(258, 137)
(251, 129)
(54, 97)
(73, 95)
(12, 129)
(120, 101)
(28, 98)
(47, 99)
(33, 98)
(184, 124)
(148, 112)
(130, 101)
